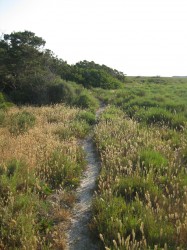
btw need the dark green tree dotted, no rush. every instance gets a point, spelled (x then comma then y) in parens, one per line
(20, 54)
(26, 69)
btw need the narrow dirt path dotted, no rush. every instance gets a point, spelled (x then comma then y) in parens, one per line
(78, 236)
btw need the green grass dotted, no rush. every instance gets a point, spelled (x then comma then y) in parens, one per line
(141, 139)
(19, 203)
(142, 183)
(151, 160)
(128, 188)
(61, 171)
(36, 166)
(160, 101)
(75, 129)
(86, 116)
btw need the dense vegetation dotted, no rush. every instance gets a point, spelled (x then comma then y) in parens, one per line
(40, 153)
(31, 74)
(159, 101)
(142, 142)
(141, 138)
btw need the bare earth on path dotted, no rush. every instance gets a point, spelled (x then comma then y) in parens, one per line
(78, 236)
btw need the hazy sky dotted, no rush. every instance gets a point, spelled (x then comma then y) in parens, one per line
(138, 37)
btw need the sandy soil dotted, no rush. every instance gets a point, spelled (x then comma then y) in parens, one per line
(78, 236)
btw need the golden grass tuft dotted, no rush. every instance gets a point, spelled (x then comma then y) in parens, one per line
(33, 149)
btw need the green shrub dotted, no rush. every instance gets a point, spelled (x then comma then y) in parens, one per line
(153, 160)
(141, 103)
(175, 107)
(77, 129)
(18, 177)
(161, 117)
(108, 116)
(130, 186)
(18, 206)
(178, 122)
(111, 113)
(61, 92)
(132, 111)
(2, 117)
(173, 137)
(106, 212)
(112, 216)
(153, 228)
(21, 122)
(17, 222)
(158, 116)
(2, 99)
(183, 178)
(60, 170)
(87, 101)
(87, 116)
(3, 103)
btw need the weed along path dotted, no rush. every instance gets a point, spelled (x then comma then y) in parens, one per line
(78, 236)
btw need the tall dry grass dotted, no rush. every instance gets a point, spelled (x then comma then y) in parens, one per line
(141, 202)
(35, 161)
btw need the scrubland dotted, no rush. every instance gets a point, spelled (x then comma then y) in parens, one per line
(40, 155)
(141, 139)
(141, 201)
(141, 196)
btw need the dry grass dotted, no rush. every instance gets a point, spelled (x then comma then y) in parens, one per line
(141, 201)
(33, 163)
(37, 144)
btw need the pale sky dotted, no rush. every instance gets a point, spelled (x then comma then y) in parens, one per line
(138, 37)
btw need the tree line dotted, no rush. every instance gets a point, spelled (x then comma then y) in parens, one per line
(29, 73)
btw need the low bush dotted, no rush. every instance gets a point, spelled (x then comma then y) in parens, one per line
(61, 92)
(160, 117)
(17, 177)
(4, 104)
(120, 224)
(21, 122)
(61, 171)
(2, 117)
(178, 122)
(87, 116)
(131, 187)
(87, 101)
(18, 207)
(111, 113)
(76, 129)
(107, 212)
(151, 160)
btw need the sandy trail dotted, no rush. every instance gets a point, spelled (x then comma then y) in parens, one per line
(78, 236)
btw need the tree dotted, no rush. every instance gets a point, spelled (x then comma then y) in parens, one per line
(21, 54)
(26, 69)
